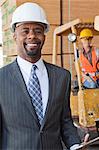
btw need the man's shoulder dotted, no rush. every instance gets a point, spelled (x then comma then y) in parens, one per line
(6, 67)
(56, 68)
(97, 51)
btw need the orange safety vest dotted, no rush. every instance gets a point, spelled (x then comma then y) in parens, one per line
(86, 67)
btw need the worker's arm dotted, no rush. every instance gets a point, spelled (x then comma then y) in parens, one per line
(97, 64)
(97, 53)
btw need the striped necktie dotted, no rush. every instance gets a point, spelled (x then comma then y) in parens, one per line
(35, 93)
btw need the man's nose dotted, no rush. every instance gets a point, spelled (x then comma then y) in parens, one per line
(31, 34)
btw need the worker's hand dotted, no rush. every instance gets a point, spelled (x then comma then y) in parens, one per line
(82, 145)
(86, 77)
(86, 138)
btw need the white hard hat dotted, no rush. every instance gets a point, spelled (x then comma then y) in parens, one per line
(96, 23)
(29, 12)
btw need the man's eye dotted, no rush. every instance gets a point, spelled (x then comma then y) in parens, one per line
(25, 31)
(38, 31)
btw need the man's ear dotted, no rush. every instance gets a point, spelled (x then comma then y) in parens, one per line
(14, 36)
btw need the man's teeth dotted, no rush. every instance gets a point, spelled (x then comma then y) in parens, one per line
(32, 45)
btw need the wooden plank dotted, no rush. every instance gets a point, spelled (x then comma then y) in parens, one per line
(58, 32)
(48, 45)
(96, 23)
(80, 9)
(63, 28)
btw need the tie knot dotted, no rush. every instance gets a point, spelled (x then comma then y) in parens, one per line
(34, 67)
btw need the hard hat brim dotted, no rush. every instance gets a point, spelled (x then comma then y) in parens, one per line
(86, 37)
(46, 26)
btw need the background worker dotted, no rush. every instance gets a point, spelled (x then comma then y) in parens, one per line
(96, 27)
(89, 58)
(34, 95)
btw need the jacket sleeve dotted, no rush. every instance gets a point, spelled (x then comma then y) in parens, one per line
(69, 133)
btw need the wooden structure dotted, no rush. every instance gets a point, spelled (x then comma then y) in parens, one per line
(88, 99)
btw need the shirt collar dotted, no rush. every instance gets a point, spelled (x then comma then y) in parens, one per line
(26, 65)
(84, 52)
(40, 65)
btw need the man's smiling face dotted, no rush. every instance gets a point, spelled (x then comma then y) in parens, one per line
(29, 38)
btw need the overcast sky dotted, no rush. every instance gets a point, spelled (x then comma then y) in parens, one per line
(0, 28)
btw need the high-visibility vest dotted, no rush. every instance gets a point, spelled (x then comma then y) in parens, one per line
(86, 67)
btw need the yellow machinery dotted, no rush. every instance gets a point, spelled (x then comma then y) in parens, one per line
(86, 103)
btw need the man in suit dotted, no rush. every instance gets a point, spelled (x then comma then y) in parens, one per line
(23, 124)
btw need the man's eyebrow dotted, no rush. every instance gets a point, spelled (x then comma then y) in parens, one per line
(34, 28)
(25, 27)
(39, 28)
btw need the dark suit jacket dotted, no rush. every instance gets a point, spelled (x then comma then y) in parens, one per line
(19, 126)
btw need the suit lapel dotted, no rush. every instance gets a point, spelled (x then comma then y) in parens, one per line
(51, 78)
(15, 71)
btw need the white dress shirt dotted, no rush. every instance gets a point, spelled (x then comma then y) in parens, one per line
(42, 75)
